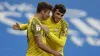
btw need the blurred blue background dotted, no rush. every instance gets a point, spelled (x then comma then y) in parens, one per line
(83, 17)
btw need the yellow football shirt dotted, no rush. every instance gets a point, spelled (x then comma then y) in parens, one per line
(58, 34)
(34, 29)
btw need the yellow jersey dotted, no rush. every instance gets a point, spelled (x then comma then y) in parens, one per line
(57, 37)
(34, 29)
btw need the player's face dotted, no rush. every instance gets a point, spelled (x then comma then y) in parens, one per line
(46, 14)
(57, 16)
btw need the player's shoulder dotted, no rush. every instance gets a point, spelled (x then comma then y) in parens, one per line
(65, 23)
(34, 20)
(30, 20)
(35, 24)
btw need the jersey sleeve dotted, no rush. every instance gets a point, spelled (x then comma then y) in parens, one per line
(23, 26)
(36, 28)
(59, 40)
(64, 27)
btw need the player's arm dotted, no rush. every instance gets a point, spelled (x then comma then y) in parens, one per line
(36, 29)
(45, 48)
(59, 40)
(18, 26)
(23, 26)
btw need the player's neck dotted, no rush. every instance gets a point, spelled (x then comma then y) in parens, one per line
(38, 16)
(52, 20)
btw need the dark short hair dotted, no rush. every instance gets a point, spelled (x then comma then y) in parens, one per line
(60, 7)
(43, 6)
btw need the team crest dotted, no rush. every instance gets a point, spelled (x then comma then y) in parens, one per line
(38, 28)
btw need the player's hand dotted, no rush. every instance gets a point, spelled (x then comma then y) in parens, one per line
(57, 53)
(16, 26)
(45, 28)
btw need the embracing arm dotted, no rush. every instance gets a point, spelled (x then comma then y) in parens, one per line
(44, 47)
(23, 26)
(59, 40)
